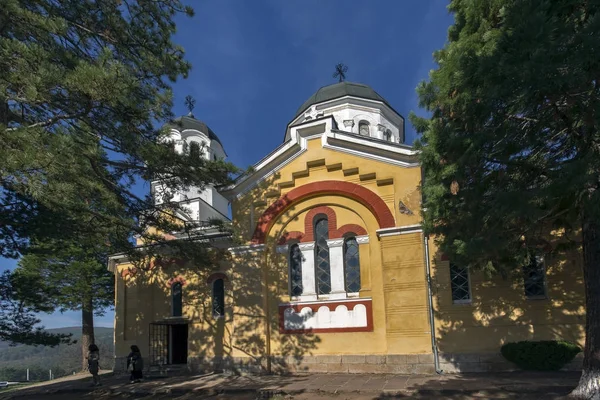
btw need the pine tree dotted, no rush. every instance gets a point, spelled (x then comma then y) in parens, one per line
(75, 278)
(19, 304)
(512, 148)
(84, 94)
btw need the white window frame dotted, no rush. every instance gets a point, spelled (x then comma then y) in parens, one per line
(461, 301)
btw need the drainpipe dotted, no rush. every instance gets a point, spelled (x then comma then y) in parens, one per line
(265, 278)
(436, 357)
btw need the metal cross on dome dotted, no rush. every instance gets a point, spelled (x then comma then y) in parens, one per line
(340, 72)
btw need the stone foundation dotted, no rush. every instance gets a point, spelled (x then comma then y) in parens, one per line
(489, 362)
(355, 364)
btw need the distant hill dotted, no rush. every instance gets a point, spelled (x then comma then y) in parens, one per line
(62, 359)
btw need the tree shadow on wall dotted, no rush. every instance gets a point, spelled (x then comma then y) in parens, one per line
(255, 284)
(500, 313)
(263, 285)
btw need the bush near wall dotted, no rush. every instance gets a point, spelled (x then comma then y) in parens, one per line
(545, 355)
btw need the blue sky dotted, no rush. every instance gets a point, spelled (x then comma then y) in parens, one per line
(255, 62)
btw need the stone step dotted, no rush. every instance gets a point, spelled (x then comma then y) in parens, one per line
(167, 370)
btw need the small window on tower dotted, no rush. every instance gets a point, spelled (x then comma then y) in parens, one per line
(214, 157)
(363, 128)
(194, 150)
(387, 135)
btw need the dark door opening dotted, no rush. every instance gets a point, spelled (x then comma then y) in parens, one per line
(178, 344)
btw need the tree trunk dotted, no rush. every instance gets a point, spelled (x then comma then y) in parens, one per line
(87, 328)
(589, 384)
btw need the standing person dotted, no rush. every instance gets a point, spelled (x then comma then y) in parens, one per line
(93, 359)
(135, 364)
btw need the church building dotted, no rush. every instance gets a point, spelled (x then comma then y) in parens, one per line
(331, 271)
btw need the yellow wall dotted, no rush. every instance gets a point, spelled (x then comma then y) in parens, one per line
(392, 274)
(391, 183)
(145, 297)
(499, 311)
(396, 330)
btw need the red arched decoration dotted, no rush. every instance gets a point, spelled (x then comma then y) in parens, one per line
(309, 222)
(215, 276)
(179, 279)
(287, 236)
(366, 197)
(350, 228)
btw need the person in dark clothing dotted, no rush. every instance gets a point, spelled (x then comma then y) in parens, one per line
(93, 359)
(135, 364)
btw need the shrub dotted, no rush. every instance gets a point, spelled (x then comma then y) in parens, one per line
(545, 355)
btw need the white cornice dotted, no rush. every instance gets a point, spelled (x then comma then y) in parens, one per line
(368, 105)
(115, 259)
(399, 230)
(281, 156)
(282, 249)
(371, 156)
(306, 246)
(364, 239)
(253, 248)
(368, 142)
(297, 145)
(335, 243)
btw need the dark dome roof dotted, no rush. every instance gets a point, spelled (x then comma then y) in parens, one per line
(341, 89)
(189, 122)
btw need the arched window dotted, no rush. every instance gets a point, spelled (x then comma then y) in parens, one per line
(351, 265)
(177, 299)
(387, 135)
(322, 269)
(194, 150)
(363, 128)
(218, 298)
(295, 270)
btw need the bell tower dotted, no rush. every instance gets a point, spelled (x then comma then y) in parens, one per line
(192, 136)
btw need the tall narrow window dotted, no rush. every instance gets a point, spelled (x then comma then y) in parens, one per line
(459, 282)
(534, 276)
(322, 255)
(218, 298)
(177, 299)
(363, 128)
(387, 135)
(351, 265)
(194, 150)
(295, 270)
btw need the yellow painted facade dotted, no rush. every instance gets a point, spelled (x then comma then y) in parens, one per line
(392, 272)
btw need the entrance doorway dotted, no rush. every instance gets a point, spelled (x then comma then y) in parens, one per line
(168, 343)
(178, 344)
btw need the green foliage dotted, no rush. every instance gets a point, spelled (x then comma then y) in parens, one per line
(85, 89)
(72, 275)
(511, 147)
(19, 304)
(546, 355)
(62, 360)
